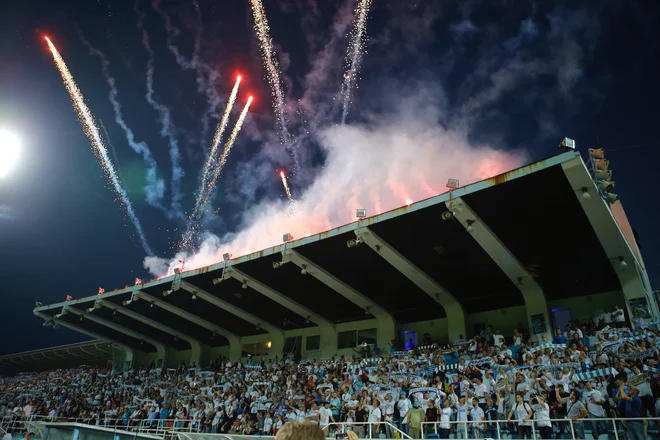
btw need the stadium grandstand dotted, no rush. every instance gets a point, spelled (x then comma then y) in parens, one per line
(515, 307)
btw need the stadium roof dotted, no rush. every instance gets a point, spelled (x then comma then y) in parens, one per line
(405, 263)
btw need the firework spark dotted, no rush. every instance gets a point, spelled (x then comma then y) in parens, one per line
(356, 49)
(273, 73)
(207, 191)
(286, 186)
(92, 132)
(210, 160)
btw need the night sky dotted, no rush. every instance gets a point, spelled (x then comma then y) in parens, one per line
(515, 76)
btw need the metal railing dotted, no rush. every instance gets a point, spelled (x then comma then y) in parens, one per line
(143, 426)
(369, 430)
(504, 429)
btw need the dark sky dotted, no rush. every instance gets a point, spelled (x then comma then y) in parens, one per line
(514, 75)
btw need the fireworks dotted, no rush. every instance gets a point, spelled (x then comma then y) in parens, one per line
(230, 143)
(207, 191)
(273, 73)
(286, 186)
(208, 166)
(356, 48)
(92, 132)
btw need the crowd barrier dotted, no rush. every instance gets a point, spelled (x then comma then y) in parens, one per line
(614, 428)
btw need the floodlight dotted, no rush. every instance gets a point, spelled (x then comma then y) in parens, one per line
(47, 324)
(287, 237)
(611, 197)
(567, 144)
(452, 183)
(167, 292)
(353, 242)
(585, 193)
(470, 228)
(597, 153)
(304, 269)
(127, 302)
(602, 164)
(277, 264)
(307, 320)
(81, 318)
(447, 215)
(194, 296)
(244, 285)
(90, 309)
(151, 305)
(361, 213)
(604, 174)
(38, 304)
(606, 185)
(217, 281)
(226, 257)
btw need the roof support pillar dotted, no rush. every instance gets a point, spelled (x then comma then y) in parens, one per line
(234, 341)
(276, 334)
(160, 347)
(328, 332)
(128, 351)
(535, 302)
(385, 321)
(195, 345)
(454, 310)
(611, 227)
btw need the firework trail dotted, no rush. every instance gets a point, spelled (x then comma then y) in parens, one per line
(210, 160)
(286, 186)
(207, 191)
(167, 126)
(356, 49)
(206, 76)
(272, 72)
(92, 132)
(155, 188)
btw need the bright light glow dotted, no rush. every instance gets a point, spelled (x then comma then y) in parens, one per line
(10, 149)
(409, 202)
(268, 344)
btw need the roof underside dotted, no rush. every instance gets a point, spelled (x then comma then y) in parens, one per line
(537, 217)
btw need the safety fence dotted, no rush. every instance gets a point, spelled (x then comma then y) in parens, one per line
(546, 429)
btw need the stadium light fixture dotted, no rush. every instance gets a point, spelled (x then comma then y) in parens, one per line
(90, 309)
(269, 344)
(194, 296)
(470, 228)
(611, 197)
(278, 264)
(604, 174)
(304, 269)
(361, 213)
(567, 144)
(602, 164)
(167, 292)
(48, 323)
(217, 281)
(226, 257)
(127, 302)
(606, 185)
(353, 242)
(244, 285)
(585, 193)
(452, 183)
(367, 310)
(287, 237)
(38, 304)
(151, 306)
(81, 318)
(596, 153)
(308, 320)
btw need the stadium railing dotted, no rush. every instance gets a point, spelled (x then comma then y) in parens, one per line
(155, 427)
(503, 429)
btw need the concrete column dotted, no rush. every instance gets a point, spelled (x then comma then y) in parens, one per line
(535, 301)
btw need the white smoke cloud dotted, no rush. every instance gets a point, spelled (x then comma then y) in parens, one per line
(395, 158)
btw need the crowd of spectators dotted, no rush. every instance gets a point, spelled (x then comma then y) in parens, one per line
(584, 375)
